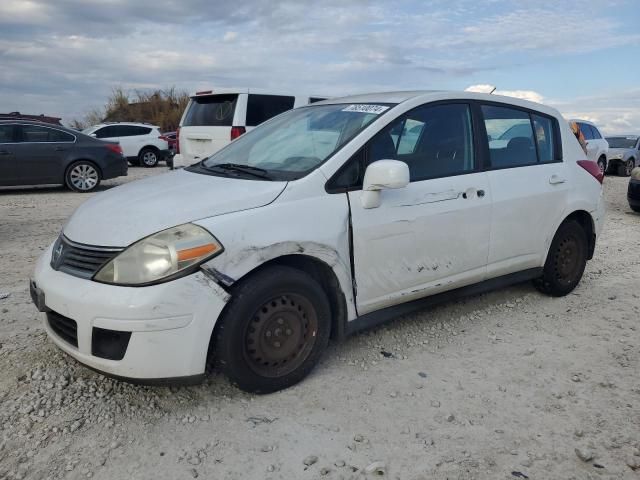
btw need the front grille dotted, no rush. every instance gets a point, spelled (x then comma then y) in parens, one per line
(64, 327)
(80, 260)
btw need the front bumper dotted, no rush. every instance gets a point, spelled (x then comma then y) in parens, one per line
(170, 324)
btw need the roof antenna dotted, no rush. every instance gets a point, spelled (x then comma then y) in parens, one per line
(492, 90)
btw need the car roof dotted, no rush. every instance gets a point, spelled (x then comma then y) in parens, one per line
(631, 136)
(134, 124)
(261, 91)
(582, 121)
(39, 123)
(398, 97)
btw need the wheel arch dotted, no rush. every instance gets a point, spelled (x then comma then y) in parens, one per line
(76, 160)
(585, 220)
(148, 147)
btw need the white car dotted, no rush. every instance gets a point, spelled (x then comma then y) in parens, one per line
(142, 144)
(283, 241)
(213, 119)
(597, 146)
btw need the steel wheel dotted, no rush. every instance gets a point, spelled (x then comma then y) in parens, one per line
(281, 335)
(84, 177)
(628, 167)
(567, 260)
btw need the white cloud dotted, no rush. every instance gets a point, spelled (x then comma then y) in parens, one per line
(230, 36)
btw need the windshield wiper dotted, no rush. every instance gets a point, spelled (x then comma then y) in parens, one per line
(238, 167)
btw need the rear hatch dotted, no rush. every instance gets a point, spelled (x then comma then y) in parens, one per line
(206, 125)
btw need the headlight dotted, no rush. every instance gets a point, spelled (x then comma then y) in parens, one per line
(617, 156)
(162, 256)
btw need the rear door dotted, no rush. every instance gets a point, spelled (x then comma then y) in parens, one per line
(206, 125)
(132, 138)
(9, 171)
(529, 186)
(40, 154)
(432, 235)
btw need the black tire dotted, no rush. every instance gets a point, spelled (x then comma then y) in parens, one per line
(635, 209)
(276, 308)
(602, 163)
(566, 260)
(148, 157)
(625, 168)
(82, 176)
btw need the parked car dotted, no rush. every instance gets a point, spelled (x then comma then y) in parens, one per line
(623, 155)
(213, 119)
(633, 192)
(38, 153)
(318, 224)
(142, 144)
(597, 146)
(38, 118)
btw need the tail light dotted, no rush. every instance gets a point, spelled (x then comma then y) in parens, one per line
(593, 168)
(236, 132)
(162, 137)
(115, 148)
(178, 140)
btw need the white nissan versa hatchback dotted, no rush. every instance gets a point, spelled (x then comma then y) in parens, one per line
(325, 220)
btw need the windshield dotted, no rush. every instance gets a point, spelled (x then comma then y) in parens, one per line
(622, 142)
(296, 142)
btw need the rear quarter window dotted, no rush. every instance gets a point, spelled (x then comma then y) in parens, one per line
(211, 111)
(261, 108)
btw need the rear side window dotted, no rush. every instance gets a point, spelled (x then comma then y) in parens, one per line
(6, 134)
(545, 138)
(132, 131)
(211, 111)
(510, 136)
(316, 99)
(596, 132)
(261, 108)
(586, 131)
(37, 134)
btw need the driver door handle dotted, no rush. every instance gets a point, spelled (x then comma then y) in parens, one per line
(555, 179)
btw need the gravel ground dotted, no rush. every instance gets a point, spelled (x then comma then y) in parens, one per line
(511, 384)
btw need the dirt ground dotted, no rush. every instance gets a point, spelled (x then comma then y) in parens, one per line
(503, 385)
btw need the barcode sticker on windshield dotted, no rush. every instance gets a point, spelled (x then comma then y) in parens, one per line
(362, 108)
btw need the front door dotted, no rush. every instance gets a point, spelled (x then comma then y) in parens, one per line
(432, 235)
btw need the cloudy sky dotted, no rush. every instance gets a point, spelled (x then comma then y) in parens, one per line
(63, 57)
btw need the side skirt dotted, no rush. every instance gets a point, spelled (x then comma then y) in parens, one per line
(379, 317)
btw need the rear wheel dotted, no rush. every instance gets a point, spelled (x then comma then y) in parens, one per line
(566, 260)
(602, 163)
(273, 331)
(148, 157)
(625, 168)
(82, 176)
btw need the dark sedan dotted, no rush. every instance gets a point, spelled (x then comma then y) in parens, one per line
(37, 153)
(633, 193)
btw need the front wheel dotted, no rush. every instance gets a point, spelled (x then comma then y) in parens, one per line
(566, 260)
(82, 176)
(273, 331)
(148, 157)
(625, 168)
(602, 164)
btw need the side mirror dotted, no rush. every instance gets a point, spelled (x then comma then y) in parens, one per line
(382, 175)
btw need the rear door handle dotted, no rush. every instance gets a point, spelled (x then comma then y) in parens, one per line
(59, 149)
(5, 152)
(555, 179)
(470, 191)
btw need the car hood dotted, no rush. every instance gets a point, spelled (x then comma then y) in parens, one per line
(125, 214)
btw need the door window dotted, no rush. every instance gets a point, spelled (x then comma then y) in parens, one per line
(38, 134)
(586, 131)
(261, 108)
(6, 134)
(434, 141)
(545, 140)
(132, 130)
(107, 132)
(510, 136)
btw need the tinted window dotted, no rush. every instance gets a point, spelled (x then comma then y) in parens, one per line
(545, 140)
(131, 130)
(35, 133)
(6, 134)
(435, 141)
(316, 99)
(516, 149)
(586, 131)
(107, 132)
(261, 108)
(621, 142)
(211, 110)
(596, 132)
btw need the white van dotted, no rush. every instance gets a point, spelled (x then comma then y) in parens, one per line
(213, 118)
